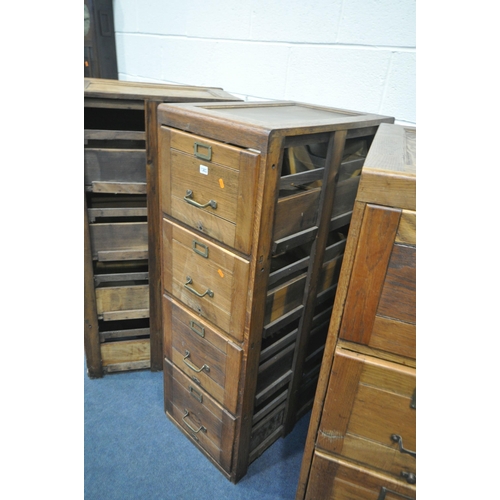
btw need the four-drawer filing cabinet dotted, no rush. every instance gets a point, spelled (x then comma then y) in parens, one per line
(122, 297)
(256, 201)
(362, 436)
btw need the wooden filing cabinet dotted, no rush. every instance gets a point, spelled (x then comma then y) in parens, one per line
(361, 442)
(122, 298)
(256, 200)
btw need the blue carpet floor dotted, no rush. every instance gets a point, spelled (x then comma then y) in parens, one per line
(133, 451)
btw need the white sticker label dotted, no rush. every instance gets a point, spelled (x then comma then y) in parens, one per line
(203, 170)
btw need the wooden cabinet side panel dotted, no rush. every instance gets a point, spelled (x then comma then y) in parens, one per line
(91, 325)
(369, 269)
(340, 398)
(154, 235)
(164, 180)
(398, 295)
(247, 189)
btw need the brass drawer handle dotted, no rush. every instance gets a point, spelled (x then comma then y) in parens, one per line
(189, 196)
(193, 367)
(409, 476)
(384, 491)
(202, 156)
(201, 428)
(398, 439)
(192, 290)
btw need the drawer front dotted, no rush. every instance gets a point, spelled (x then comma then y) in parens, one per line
(334, 479)
(203, 354)
(122, 302)
(212, 281)
(209, 186)
(369, 413)
(380, 307)
(200, 416)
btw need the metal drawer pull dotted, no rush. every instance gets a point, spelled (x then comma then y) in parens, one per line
(202, 156)
(192, 290)
(409, 476)
(384, 491)
(399, 440)
(204, 249)
(198, 329)
(196, 395)
(201, 428)
(194, 368)
(189, 196)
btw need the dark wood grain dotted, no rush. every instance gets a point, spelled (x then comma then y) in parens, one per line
(91, 326)
(369, 269)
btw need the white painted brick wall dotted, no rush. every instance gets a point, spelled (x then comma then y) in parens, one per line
(353, 54)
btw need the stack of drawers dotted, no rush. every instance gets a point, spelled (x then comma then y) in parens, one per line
(121, 323)
(362, 437)
(256, 200)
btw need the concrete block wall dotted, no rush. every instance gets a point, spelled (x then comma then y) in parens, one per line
(352, 54)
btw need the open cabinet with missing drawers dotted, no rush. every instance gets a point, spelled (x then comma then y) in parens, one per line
(122, 324)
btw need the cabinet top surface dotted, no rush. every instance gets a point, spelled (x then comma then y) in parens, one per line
(119, 89)
(272, 115)
(393, 151)
(389, 173)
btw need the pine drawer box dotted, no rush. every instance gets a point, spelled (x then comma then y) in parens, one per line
(362, 436)
(256, 200)
(120, 199)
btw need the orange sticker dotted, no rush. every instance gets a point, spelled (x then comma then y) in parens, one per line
(221, 274)
(221, 183)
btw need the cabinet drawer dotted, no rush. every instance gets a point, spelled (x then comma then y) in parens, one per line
(202, 353)
(119, 241)
(199, 415)
(209, 279)
(126, 355)
(348, 481)
(122, 302)
(209, 185)
(369, 413)
(115, 170)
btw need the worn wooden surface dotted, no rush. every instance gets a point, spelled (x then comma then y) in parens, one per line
(207, 348)
(91, 325)
(277, 311)
(367, 378)
(121, 158)
(346, 481)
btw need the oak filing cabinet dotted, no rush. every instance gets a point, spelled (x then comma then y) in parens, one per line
(256, 200)
(361, 442)
(122, 298)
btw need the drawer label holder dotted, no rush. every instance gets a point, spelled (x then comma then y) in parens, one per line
(201, 155)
